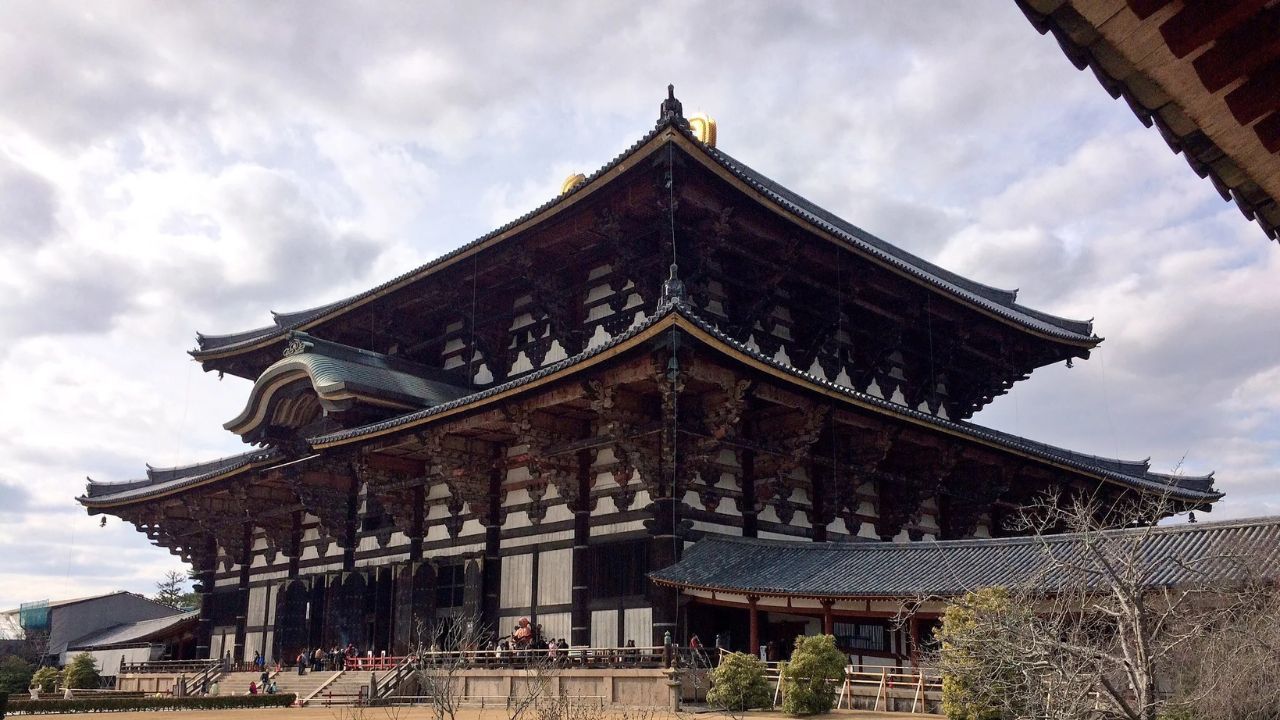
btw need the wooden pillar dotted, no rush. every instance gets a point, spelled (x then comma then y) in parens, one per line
(580, 618)
(914, 626)
(419, 521)
(828, 622)
(492, 570)
(350, 540)
(204, 588)
(662, 554)
(242, 619)
(819, 487)
(753, 641)
(750, 527)
(295, 543)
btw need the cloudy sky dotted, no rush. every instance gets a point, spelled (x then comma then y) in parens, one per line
(170, 168)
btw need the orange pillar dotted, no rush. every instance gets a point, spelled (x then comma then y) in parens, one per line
(754, 636)
(828, 623)
(915, 642)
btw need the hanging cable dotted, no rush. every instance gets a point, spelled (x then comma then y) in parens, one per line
(674, 376)
(471, 346)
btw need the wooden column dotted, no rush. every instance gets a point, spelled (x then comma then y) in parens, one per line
(749, 521)
(580, 619)
(914, 626)
(353, 524)
(753, 641)
(295, 543)
(828, 622)
(204, 588)
(662, 554)
(492, 570)
(419, 522)
(242, 619)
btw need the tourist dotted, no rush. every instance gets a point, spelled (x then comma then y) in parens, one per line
(259, 662)
(253, 688)
(302, 662)
(214, 688)
(552, 650)
(317, 660)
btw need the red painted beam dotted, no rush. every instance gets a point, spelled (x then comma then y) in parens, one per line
(1200, 22)
(1258, 96)
(1241, 51)
(1268, 130)
(1146, 8)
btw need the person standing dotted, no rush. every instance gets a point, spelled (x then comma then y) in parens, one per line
(302, 662)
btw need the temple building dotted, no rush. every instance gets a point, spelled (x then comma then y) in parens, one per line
(539, 423)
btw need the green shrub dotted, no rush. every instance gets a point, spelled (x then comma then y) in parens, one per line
(81, 672)
(813, 676)
(109, 704)
(739, 683)
(15, 675)
(968, 690)
(46, 678)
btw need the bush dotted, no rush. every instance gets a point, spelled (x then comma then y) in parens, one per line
(813, 676)
(104, 704)
(739, 683)
(967, 690)
(46, 678)
(81, 672)
(15, 675)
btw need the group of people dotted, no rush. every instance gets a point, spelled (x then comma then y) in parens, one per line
(319, 659)
(528, 638)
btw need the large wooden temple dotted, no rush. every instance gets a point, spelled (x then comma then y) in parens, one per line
(675, 347)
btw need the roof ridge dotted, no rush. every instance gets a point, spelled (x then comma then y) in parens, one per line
(997, 300)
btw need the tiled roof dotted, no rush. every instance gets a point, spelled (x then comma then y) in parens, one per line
(136, 632)
(993, 299)
(1000, 302)
(170, 479)
(1177, 554)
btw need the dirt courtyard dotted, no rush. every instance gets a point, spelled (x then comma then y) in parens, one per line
(336, 713)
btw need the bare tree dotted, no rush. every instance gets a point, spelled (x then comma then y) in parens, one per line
(1099, 628)
(443, 655)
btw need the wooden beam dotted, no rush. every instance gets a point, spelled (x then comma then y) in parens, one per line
(1200, 23)
(1241, 51)
(1258, 96)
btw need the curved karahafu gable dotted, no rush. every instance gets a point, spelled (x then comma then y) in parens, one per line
(317, 379)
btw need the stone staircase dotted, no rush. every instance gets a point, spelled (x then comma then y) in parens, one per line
(289, 681)
(343, 690)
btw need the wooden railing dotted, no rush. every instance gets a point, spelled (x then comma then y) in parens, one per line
(172, 667)
(919, 682)
(640, 657)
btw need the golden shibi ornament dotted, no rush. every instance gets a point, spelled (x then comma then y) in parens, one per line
(703, 128)
(572, 182)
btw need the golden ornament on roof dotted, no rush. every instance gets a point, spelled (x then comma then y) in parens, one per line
(703, 128)
(572, 182)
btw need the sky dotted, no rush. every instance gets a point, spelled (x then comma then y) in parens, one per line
(167, 168)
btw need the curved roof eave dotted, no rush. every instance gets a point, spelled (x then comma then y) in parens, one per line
(138, 490)
(997, 302)
(674, 312)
